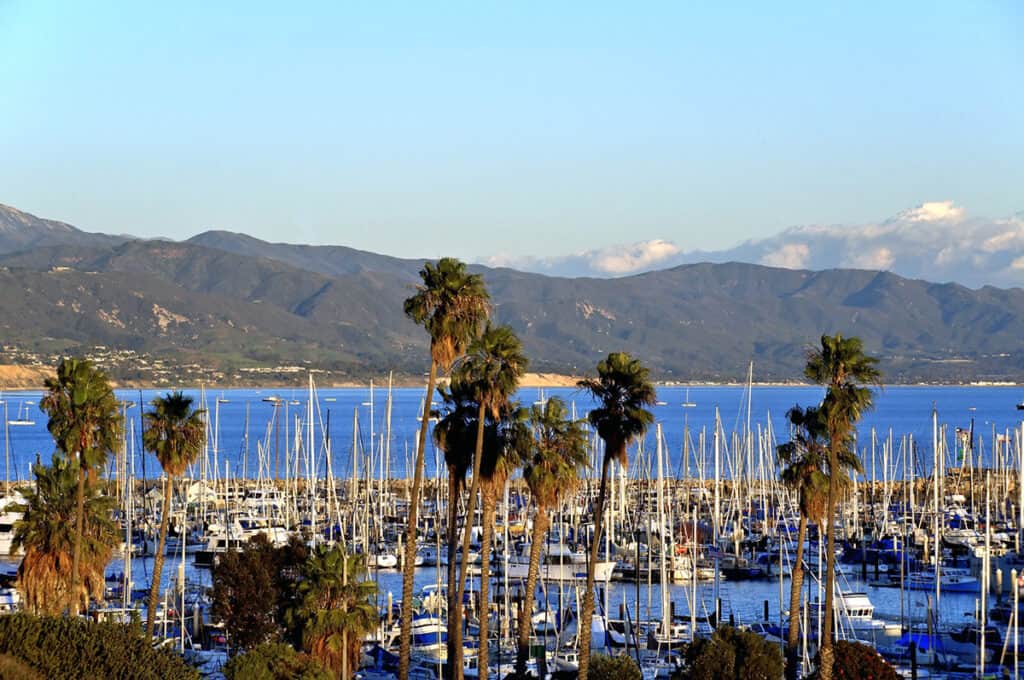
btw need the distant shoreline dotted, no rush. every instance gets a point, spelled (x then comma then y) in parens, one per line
(17, 377)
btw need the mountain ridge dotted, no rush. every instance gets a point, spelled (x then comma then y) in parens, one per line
(341, 309)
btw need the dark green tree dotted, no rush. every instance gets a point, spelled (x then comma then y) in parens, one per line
(254, 588)
(452, 305)
(337, 608)
(491, 369)
(455, 435)
(175, 433)
(803, 461)
(621, 667)
(47, 534)
(274, 661)
(86, 425)
(732, 654)
(552, 472)
(842, 367)
(623, 391)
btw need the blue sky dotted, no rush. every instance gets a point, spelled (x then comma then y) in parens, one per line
(420, 129)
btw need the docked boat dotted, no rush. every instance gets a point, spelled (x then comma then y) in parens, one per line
(567, 572)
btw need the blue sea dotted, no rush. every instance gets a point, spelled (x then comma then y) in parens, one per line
(904, 411)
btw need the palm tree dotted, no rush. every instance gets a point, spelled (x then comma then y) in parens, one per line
(451, 304)
(86, 426)
(491, 370)
(455, 435)
(47, 534)
(337, 608)
(622, 390)
(803, 458)
(552, 473)
(175, 433)
(841, 366)
(508, 446)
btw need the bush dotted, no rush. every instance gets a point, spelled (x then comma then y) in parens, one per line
(13, 669)
(75, 648)
(733, 653)
(620, 667)
(274, 661)
(856, 661)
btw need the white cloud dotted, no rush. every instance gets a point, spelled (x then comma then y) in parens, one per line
(933, 211)
(616, 260)
(635, 257)
(789, 256)
(935, 241)
(877, 258)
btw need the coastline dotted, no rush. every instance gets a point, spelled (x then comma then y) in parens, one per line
(31, 377)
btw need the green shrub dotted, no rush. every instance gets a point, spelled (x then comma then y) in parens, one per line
(622, 667)
(856, 661)
(734, 654)
(58, 647)
(274, 661)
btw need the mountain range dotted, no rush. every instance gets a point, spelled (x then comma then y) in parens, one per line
(231, 301)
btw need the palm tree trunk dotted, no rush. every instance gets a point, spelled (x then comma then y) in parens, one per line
(489, 505)
(158, 561)
(454, 622)
(540, 527)
(795, 586)
(467, 533)
(409, 559)
(76, 559)
(583, 632)
(825, 642)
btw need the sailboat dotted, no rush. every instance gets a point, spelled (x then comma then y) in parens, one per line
(688, 403)
(22, 419)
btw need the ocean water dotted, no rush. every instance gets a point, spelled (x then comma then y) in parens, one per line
(241, 444)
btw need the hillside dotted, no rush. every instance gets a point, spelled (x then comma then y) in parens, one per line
(229, 300)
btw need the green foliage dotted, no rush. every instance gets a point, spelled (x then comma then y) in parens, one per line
(451, 304)
(733, 654)
(254, 587)
(274, 661)
(622, 390)
(857, 661)
(336, 607)
(174, 432)
(46, 532)
(72, 648)
(559, 453)
(621, 667)
(84, 417)
(492, 367)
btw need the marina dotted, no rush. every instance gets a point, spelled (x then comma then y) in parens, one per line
(700, 531)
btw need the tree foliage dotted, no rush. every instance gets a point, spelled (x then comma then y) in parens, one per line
(86, 424)
(73, 648)
(452, 305)
(46, 533)
(175, 433)
(254, 587)
(274, 661)
(733, 654)
(623, 391)
(336, 607)
(857, 661)
(621, 667)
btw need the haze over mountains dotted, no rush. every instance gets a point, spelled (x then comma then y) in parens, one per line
(231, 300)
(936, 241)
